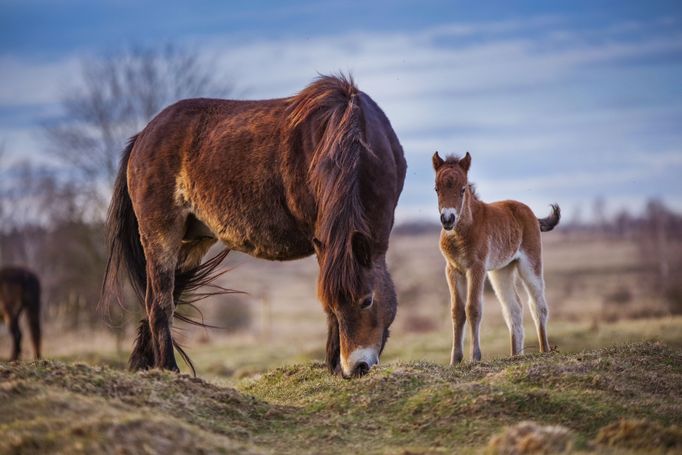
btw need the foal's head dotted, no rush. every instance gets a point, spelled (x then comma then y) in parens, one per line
(452, 187)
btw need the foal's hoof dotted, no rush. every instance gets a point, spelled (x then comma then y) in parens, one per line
(456, 359)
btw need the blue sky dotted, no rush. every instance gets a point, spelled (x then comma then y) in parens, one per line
(556, 101)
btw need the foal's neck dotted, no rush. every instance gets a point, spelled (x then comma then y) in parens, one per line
(470, 216)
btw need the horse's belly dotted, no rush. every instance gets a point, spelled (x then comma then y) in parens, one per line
(271, 244)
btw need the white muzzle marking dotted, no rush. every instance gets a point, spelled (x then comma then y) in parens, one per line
(447, 211)
(368, 355)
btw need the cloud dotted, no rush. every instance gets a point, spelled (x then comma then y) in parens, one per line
(534, 99)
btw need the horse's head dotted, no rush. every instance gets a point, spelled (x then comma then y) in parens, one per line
(452, 187)
(359, 298)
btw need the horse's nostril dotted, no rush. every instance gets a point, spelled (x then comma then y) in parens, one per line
(442, 218)
(361, 369)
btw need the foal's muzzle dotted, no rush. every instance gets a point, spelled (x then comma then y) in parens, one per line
(447, 220)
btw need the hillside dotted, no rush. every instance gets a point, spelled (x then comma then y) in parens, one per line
(399, 408)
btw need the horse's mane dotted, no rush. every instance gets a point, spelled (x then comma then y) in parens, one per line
(330, 104)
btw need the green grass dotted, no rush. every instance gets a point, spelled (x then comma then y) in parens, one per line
(400, 407)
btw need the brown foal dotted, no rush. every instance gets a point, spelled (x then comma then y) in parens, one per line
(500, 238)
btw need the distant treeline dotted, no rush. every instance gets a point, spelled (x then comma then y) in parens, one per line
(655, 220)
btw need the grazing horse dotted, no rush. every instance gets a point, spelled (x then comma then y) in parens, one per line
(20, 291)
(316, 173)
(500, 238)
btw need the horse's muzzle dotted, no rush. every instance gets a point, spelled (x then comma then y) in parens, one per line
(360, 362)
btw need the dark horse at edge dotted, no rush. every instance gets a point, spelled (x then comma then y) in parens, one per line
(20, 292)
(316, 173)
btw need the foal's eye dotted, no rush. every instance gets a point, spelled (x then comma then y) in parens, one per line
(464, 188)
(366, 302)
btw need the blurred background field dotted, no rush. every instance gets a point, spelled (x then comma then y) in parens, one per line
(606, 285)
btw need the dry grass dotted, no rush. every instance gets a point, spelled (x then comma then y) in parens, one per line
(401, 407)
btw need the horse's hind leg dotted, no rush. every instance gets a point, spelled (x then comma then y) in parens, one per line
(160, 305)
(161, 240)
(196, 242)
(142, 357)
(502, 282)
(530, 270)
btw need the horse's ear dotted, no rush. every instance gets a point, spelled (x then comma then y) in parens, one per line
(362, 249)
(437, 161)
(465, 162)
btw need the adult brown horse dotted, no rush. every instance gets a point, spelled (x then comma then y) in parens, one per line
(280, 179)
(19, 292)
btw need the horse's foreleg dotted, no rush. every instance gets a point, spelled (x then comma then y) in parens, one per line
(34, 328)
(333, 354)
(457, 285)
(15, 331)
(474, 307)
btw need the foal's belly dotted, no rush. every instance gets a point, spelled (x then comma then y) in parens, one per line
(499, 261)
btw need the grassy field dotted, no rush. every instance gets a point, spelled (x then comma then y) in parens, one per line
(622, 399)
(612, 383)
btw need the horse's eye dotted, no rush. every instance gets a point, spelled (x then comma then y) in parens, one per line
(435, 189)
(366, 302)
(464, 188)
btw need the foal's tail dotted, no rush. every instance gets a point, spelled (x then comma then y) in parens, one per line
(550, 222)
(126, 252)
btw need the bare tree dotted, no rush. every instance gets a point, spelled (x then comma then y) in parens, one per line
(51, 217)
(118, 95)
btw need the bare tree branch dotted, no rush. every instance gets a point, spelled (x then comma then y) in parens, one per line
(118, 96)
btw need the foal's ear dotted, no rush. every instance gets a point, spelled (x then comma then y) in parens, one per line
(437, 161)
(362, 249)
(465, 162)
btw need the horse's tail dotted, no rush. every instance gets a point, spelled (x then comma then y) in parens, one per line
(548, 223)
(125, 251)
(123, 240)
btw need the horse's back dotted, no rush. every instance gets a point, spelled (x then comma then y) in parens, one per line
(221, 160)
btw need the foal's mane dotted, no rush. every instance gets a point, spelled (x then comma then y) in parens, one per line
(331, 105)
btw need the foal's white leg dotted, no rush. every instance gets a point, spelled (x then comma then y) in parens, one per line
(530, 271)
(502, 281)
(474, 307)
(458, 286)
